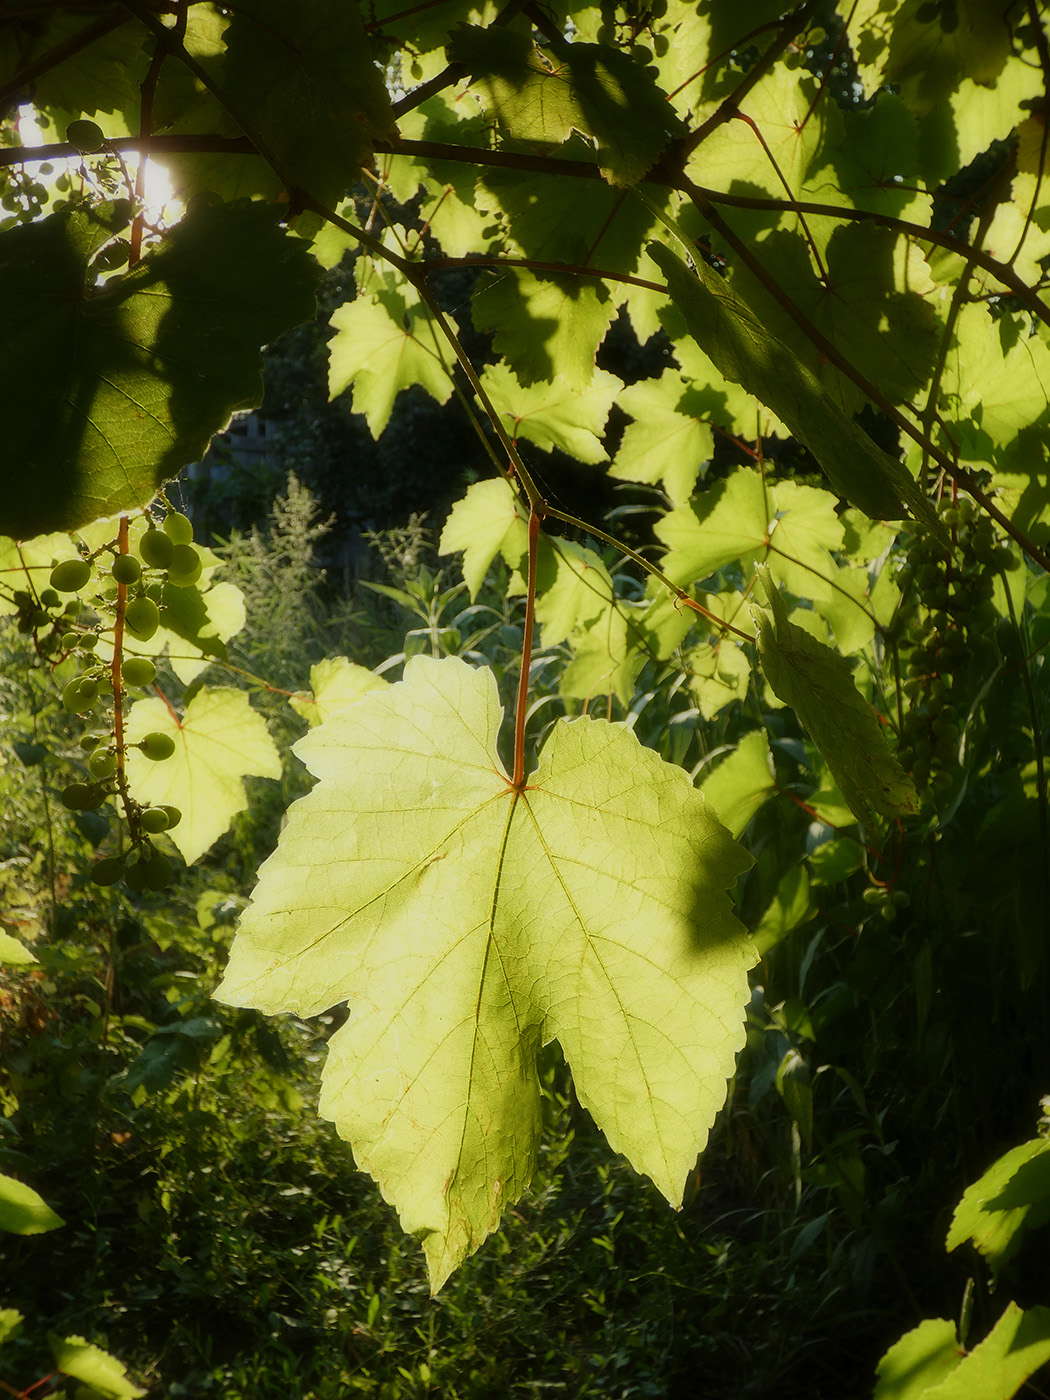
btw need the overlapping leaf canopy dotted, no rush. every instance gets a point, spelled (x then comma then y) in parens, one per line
(730, 189)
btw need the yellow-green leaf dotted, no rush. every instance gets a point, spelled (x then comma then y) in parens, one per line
(218, 742)
(468, 924)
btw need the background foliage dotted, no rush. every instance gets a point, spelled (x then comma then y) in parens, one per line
(751, 299)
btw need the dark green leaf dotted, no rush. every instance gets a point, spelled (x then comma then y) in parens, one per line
(109, 391)
(743, 350)
(816, 682)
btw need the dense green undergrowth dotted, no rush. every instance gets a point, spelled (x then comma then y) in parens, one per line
(218, 1238)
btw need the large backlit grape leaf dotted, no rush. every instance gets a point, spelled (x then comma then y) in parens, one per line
(544, 326)
(554, 415)
(744, 351)
(746, 518)
(1012, 1196)
(818, 685)
(489, 520)
(303, 79)
(108, 391)
(467, 925)
(218, 742)
(386, 342)
(99, 77)
(996, 380)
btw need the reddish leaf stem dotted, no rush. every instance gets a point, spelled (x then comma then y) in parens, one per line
(518, 782)
(118, 680)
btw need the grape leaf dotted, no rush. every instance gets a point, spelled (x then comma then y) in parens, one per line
(23, 1211)
(14, 953)
(219, 740)
(554, 415)
(606, 657)
(744, 351)
(109, 391)
(579, 591)
(995, 1369)
(816, 682)
(919, 1362)
(745, 518)
(873, 302)
(335, 683)
(97, 78)
(742, 782)
(468, 925)
(550, 222)
(546, 326)
(489, 520)
(302, 78)
(385, 342)
(1013, 1195)
(795, 124)
(104, 1377)
(669, 440)
(543, 96)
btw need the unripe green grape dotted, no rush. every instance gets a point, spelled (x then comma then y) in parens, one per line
(178, 527)
(126, 569)
(150, 871)
(88, 641)
(113, 255)
(71, 575)
(888, 912)
(186, 566)
(108, 871)
(154, 820)
(80, 694)
(173, 814)
(157, 747)
(142, 618)
(139, 670)
(102, 764)
(156, 548)
(85, 136)
(90, 741)
(70, 640)
(901, 899)
(158, 871)
(874, 895)
(135, 875)
(73, 608)
(83, 797)
(49, 598)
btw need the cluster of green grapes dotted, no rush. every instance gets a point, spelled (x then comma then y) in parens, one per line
(888, 902)
(164, 556)
(949, 647)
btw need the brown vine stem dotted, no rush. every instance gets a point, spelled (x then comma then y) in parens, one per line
(518, 782)
(118, 684)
